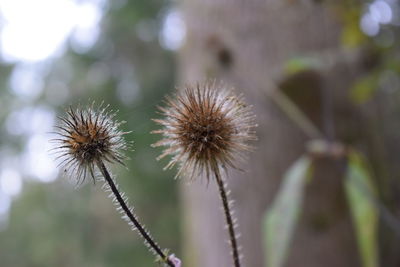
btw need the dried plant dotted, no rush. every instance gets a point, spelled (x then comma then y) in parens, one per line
(206, 128)
(87, 139)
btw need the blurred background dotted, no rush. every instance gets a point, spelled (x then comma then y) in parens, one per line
(314, 70)
(56, 53)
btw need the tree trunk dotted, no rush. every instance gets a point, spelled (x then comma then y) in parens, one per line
(246, 43)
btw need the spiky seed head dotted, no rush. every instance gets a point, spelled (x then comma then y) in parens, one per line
(87, 136)
(205, 127)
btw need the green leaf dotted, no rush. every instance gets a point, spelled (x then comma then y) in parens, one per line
(280, 220)
(351, 36)
(361, 194)
(364, 88)
(299, 64)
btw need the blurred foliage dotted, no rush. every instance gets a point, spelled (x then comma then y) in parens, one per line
(364, 88)
(300, 64)
(352, 36)
(57, 225)
(361, 196)
(281, 219)
(379, 62)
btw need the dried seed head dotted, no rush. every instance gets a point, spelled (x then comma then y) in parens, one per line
(86, 137)
(206, 127)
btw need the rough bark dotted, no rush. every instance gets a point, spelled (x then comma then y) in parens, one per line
(246, 43)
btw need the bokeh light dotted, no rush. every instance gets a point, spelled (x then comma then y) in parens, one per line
(37, 30)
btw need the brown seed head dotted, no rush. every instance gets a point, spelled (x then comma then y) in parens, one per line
(86, 137)
(205, 127)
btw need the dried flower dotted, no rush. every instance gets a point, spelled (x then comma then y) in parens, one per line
(86, 137)
(205, 128)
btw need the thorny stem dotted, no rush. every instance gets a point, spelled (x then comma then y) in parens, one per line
(131, 216)
(228, 217)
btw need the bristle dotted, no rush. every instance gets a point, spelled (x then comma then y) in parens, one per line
(87, 139)
(206, 125)
(86, 136)
(125, 217)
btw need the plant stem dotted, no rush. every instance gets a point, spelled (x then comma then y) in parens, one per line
(327, 114)
(295, 114)
(131, 216)
(228, 217)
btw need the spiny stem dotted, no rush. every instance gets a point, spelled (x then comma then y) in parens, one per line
(228, 217)
(130, 215)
